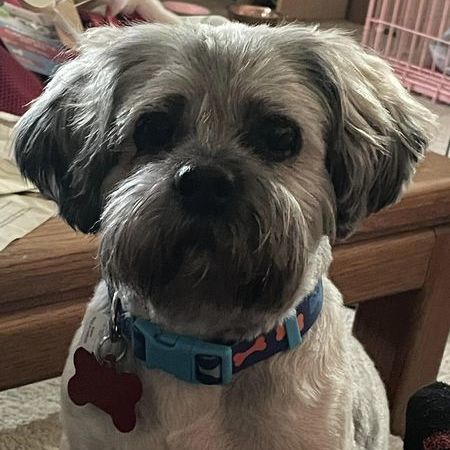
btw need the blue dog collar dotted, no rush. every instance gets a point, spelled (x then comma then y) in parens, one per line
(200, 362)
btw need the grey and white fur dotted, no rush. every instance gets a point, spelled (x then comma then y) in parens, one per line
(218, 164)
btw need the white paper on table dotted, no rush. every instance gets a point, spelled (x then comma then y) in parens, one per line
(20, 214)
(11, 180)
(7, 122)
(21, 209)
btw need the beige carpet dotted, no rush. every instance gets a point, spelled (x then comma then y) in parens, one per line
(29, 414)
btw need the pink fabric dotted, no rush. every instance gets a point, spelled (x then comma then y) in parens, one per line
(18, 86)
(14, 2)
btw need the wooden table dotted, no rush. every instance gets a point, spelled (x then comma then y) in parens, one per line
(397, 268)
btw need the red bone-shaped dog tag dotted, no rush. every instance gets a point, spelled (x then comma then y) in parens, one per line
(114, 393)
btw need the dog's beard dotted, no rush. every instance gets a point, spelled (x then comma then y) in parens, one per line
(250, 257)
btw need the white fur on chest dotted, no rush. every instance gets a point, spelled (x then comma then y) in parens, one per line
(295, 400)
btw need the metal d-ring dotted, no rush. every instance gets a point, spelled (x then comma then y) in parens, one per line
(113, 347)
(114, 325)
(109, 352)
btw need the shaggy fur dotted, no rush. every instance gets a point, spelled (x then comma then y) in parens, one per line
(308, 134)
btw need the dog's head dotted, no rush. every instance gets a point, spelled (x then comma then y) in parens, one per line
(214, 159)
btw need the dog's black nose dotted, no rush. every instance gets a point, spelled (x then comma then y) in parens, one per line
(204, 189)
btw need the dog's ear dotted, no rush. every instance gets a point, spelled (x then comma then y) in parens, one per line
(376, 132)
(61, 142)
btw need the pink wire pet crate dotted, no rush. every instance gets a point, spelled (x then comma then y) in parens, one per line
(414, 37)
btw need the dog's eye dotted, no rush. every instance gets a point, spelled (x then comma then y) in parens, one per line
(154, 131)
(275, 138)
(283, 141)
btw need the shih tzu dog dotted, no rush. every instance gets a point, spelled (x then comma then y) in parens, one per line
(218, 163)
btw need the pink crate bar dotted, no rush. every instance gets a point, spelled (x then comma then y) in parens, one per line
(414, 37)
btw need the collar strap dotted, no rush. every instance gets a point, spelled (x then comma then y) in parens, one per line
(200, 362)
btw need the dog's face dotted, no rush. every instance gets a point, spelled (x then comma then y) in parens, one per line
(214, 159)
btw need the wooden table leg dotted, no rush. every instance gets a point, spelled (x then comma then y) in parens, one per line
(406, 334)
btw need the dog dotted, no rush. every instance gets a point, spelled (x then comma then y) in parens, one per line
(219, 165)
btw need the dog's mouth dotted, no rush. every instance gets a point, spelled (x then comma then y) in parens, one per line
(194, 250)
(200, 238)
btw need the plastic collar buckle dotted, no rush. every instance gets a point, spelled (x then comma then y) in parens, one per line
(188, 359)
(293, 334)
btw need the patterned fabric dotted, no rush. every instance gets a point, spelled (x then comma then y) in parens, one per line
(437, 441)
(428, 418)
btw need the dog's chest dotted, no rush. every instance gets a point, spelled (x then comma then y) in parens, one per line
(293, 400)
(173, 414)
(274, 414)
